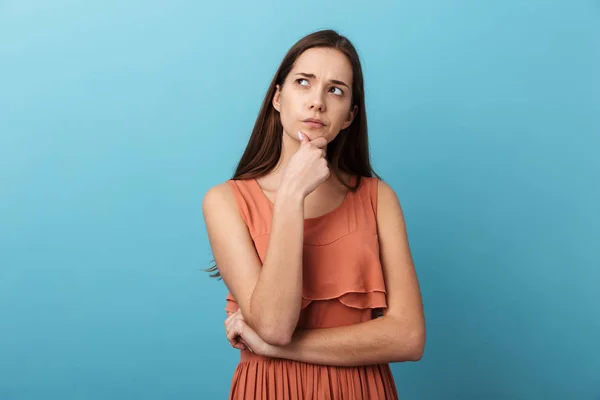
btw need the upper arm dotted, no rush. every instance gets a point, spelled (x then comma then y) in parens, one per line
(231, 244)
(403, 293)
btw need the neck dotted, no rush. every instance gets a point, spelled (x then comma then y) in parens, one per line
(289, 147)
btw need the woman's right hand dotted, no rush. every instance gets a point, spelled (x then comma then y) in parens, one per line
(307, 168)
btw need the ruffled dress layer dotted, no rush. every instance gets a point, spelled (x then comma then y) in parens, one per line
(343, 284)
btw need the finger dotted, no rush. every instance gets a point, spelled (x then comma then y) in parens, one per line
(231, 334)
(230, 325)
(228, 322)
(234, 340)
(248, 335)
(232, 318)
(234, 335)
(303, 138)
(237, 316)
(239, 313)
(246, 346)
(240, 338)
(237, 344)
(234, 329)
(319, 142)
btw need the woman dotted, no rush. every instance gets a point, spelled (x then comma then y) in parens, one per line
(311, 245)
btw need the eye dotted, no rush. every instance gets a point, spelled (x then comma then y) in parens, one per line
(299, 81)
(339, 91)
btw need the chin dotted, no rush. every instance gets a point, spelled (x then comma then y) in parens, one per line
(312, 135)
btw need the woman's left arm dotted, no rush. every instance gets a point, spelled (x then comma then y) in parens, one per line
(399, 335)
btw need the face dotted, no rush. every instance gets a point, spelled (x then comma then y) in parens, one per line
(316, 95)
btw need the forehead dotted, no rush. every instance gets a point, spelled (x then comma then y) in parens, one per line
(325, 64)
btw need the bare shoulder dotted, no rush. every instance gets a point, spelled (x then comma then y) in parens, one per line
(384, 189)
(218, 198)
(387, 200)
(220, 210)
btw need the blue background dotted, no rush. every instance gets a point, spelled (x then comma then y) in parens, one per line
(117, 116)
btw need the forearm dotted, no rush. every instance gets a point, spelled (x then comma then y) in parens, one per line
(378, 341)
(277, 297)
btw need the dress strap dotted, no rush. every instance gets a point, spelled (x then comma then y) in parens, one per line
(253, 205)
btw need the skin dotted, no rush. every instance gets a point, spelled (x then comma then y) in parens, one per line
(301, 187)
(303, 97)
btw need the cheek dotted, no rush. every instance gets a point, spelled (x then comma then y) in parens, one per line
(341, 115)
(290, 100)
(287, 107)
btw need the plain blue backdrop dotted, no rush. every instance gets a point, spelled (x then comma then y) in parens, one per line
(117, 116)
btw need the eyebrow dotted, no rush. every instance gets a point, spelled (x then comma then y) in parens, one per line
(304, 74)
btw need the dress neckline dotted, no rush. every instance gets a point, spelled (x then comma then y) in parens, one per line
(334, 211)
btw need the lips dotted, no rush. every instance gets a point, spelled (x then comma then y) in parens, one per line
(314, 123)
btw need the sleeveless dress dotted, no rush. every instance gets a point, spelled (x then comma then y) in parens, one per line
(342, 285)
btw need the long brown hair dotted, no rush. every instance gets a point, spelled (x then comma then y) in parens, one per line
(347, 153)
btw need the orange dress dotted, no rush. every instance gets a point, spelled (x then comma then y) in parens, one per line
(342, 285)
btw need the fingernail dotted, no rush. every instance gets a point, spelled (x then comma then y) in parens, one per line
(299, 135)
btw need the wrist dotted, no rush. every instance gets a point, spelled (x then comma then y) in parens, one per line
(285, 352)
(272, 351)
(286, 194)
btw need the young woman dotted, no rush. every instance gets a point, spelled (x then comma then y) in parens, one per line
(311, 244)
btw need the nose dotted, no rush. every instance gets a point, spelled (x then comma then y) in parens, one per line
(317, 103)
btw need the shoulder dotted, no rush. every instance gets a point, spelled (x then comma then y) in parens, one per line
(387, 199)
(384, 191)
(218, 197)
(381, 191)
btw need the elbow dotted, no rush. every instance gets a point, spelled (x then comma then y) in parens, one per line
(410, 345)
(279, 341)
(416, 347)
(274, 326)
(275, 336)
